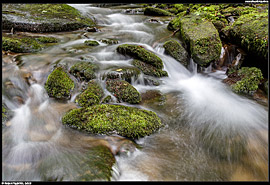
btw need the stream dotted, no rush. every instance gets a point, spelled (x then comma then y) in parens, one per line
(210, 133)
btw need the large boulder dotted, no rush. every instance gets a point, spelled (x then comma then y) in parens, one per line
(126, 121)
(177, 51)
(123, 91)
(138, 52)
(43, 18)
(59, 85)
(201, 38)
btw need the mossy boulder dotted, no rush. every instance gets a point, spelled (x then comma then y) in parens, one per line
(177, 51)
(43, 18)
(138, 52)
(84, 70)
(90, 96)
(156, 12)
(91, 43)
(202, 39)
(126, 121)
(123, 91)
(59, 85)
(245, 80)
(149, 69)
(124, 73)
(251, 32)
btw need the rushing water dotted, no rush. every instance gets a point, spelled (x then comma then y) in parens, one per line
(210, 133)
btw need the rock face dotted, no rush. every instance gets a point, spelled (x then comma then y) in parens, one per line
(138, 52)
(177, 51)
(156, 12)
(91, 96)
(202, 39)
(126, 121)
(43, 18)
(59, 85)
(123, 91)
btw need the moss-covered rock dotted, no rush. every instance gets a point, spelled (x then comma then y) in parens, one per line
(6, 114)
(138, 52)
(84, 70)
(156, 12)
(21, 45)
(123, 91)
(245, 80)
(177, 51)
(251, 32)
(59, 85)
(126, 121)
(149, 69)
(124, 73)
(91, 43)
(90, 96)
(47, 39)
(202, 39)
(43, 18)
(109, 41)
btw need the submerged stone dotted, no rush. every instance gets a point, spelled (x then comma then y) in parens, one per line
(126, 121)
(177, 51)
(202, 39)
(59, 85)
(123, 91)
(90, 96)
(138, 52)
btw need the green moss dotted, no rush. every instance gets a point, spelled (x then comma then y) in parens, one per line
(91, 43)
(59, 84)
(177, 51)
(148, 69)
(91, 96)
(138, 52)
(107, 99)
(124, 73)
(84, 70)
(109, 41)
(250, 79)
(123, 91)
(156, 12)
(106, 119)
(47, 39)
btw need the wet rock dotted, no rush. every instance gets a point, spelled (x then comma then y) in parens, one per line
(90, 96)
(153, 99)
(91, 43)
(92, 29)
(43, 18)
(138, 52)
(123, 91)
(124, 73)
(149, 69)
(177, 51)
(126, 121)
(109, 41)
(202, 39)
(59, 85)
(84, 70)
(156, 12)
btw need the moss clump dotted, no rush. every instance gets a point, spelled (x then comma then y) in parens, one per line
(202, 39)
(21, 45)
(138, 52)
(177, 51)
(123, 91)
(59, 84)
(251, 32)
(47, 39)
(156, 12)
(148, 69)
(84, 70)
(250, 79)
(126, 121)
(125, 73)
(91, 96)
(91, 43)
(109, 41)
